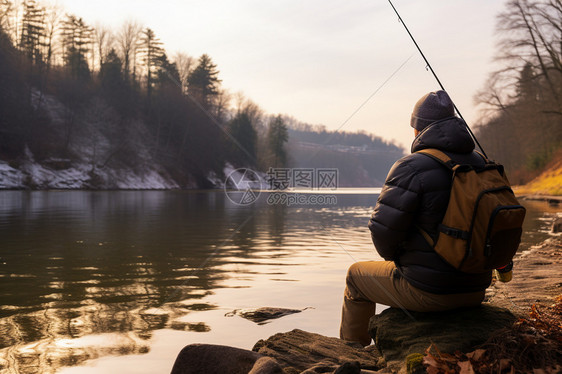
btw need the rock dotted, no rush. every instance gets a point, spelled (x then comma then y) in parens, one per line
(219, 359)
(263, 315)
(396, 335)
(349, 368)
(266, 365)
(557, 225)
(299, 351)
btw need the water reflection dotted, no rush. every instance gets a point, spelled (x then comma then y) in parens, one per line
(90, 274)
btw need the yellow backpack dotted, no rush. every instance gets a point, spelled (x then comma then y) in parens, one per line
(483, 223)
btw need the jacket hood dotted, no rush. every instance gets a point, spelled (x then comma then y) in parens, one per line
(449, 135)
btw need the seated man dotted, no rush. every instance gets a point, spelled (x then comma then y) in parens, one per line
(415, 196)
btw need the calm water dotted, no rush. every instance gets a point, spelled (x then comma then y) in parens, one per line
(119, 282)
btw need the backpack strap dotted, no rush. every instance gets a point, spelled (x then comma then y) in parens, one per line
(446, 161)
(486, 159)
(439, 156)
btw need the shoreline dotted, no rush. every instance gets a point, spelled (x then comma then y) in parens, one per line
(537, 279)
(548, 198)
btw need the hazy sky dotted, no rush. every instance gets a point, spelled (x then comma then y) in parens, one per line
(319, 60)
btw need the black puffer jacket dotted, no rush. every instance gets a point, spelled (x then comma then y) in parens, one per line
(416, 194)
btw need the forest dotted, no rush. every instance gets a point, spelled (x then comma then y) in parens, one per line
(77, 96)
(521, 124)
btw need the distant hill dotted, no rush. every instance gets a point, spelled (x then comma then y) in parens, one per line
(362, 160)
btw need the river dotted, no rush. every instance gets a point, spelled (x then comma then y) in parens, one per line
(119, 282)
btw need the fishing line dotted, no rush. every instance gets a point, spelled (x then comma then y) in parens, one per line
(428, 65)
(363, 104)
(373, 94)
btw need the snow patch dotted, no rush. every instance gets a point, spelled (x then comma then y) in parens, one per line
(9, 177)
(96, 139)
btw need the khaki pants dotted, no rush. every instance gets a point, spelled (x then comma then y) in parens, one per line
(372, 282)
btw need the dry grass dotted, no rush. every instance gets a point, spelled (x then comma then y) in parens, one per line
(548, 182)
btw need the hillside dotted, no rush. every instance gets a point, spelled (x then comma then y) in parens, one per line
(549, 182)
(98, 157)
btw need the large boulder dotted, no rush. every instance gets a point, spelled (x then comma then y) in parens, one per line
(220, 359)
(397, 334)
(299, 351)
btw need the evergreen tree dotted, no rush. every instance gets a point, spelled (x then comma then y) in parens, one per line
(168, 75)
(150, 49)
(203, 82)
(527, 87)
(112, 77)
(242, 130)
(76, 38)
(111, 71)
(32, 31)
(277, 136)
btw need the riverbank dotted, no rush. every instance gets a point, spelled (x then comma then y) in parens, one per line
(537, 279)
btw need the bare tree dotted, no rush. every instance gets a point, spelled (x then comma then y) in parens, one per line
(530, 35)
(127, 41)
(5, 10)
(52, 24)
(104, 41)
(522, 100)
(222, 104)
(185, 64)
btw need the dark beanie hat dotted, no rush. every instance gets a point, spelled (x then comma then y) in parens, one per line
(430, 108)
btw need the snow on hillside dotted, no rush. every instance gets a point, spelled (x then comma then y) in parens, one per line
(97, 151)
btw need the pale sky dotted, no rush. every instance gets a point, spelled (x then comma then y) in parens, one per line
(319, 60)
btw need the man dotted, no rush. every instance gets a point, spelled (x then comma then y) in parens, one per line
(414, 198)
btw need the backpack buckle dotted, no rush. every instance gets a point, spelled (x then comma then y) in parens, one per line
(455, 233)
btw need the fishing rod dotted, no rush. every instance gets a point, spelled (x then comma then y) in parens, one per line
(436, 77)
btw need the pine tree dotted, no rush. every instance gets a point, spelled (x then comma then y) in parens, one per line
(168, 74)
(33, 31)
(76, 39)
(111, 71)
(241, 129)
(203, 82)
(150, 49)
(277, 136)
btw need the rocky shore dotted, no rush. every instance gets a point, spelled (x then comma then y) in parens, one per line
(402, 341)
